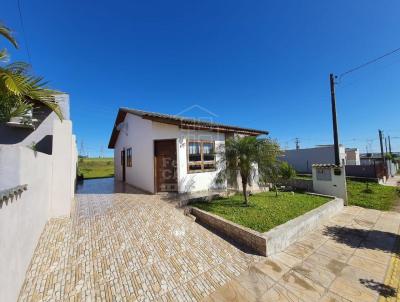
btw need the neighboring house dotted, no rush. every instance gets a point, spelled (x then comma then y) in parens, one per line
(40, 157)
(303, 159)
(353, 157)
(168, 153)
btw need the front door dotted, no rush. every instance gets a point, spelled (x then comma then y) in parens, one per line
(165, 166)
(123, 165)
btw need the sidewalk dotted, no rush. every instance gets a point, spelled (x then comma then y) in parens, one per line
(393, 181)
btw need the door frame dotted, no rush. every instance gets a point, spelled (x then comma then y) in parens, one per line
(155, 161)
(123, 164)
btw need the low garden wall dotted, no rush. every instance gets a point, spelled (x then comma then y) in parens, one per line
(245, 236)
(299, 184)
(274, 240)
(285, 234)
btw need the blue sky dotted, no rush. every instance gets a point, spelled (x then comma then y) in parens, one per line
(260, 64)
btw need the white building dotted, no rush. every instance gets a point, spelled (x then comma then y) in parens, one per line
(353, 156)
(166, 153)
(302, 160)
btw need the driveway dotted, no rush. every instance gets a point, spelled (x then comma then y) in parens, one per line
(129, 247)
(138, 247)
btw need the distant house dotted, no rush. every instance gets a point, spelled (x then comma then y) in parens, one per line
(353, 157)
(303, 159)
(168, 153)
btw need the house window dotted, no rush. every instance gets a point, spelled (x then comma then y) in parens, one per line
(129, 157)
(201, 156)
(123, 158)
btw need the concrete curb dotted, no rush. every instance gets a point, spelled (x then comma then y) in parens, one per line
(285, 234)
(276, 239)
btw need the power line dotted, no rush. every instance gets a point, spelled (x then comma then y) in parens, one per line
(368, 63)
(24, 32)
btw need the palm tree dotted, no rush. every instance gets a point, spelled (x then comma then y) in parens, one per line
(245, 156)
(18, 88)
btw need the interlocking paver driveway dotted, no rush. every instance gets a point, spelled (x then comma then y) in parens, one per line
(129, 247)
(136, 247)
(346, 259)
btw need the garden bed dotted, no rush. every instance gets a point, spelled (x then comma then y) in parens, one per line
(307, 212)
(275, 222)
(265, 211)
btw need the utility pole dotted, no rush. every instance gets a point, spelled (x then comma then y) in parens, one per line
(390, 146)
(297, 143)
(381, 143)
(334, 120)
(101, 151)
(82, 149)
(386, 149)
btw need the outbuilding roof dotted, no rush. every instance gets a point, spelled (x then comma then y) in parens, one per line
(182, 122)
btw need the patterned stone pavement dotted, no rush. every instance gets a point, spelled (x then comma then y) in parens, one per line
(136, 247)
(129, 247)
(346, 259)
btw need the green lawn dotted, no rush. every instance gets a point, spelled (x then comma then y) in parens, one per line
(378, 197)
(303, 176)
(265, 211)
(96, 167)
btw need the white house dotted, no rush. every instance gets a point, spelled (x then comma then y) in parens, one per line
(167, 153)
(353, 156)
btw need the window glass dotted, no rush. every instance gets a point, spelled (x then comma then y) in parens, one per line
(194, 167)
(209, 166)
(194, 151)
(129, 157)
(208, 152)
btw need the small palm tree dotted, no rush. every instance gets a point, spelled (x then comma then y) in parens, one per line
(244, 156)
(20, 88)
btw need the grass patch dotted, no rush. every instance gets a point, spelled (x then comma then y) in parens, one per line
(265, 210)
(96, 167)
(303, 176)
(377, 196)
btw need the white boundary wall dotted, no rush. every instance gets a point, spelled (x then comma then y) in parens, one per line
(50, 183)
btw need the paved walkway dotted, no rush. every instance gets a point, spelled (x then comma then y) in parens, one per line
(345, 260)
(137, 247)
(393, 181)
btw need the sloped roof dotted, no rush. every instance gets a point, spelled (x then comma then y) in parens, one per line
(182, 122)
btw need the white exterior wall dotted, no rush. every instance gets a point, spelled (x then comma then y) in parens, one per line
(64, 158)
(337, 186)
(136, 133)
(139, 134)
(21, 220)
(50, 180)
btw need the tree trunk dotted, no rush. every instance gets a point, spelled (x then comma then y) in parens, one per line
(276, 191)
(244, 187)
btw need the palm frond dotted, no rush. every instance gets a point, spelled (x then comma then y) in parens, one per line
(4, 55)
(15, 80)
(6, 33)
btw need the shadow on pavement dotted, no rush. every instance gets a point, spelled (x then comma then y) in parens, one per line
(382, 289)
(364, 239)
